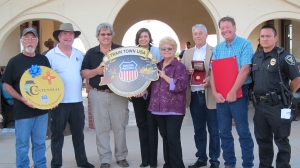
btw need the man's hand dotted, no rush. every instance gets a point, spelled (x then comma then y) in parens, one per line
(219, 98)
(100, 70)
(231, 97)
(26, 102)
(205, 82)
(190, 71)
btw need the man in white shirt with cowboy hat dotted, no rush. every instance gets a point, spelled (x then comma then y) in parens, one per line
(66, 61)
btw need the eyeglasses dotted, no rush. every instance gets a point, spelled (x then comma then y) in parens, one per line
(30, 39)
(167, 49)
(107, 34)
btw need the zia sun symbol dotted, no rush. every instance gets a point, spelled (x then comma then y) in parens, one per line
(48, 77)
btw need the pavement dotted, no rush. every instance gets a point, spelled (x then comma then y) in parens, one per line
(7, 145)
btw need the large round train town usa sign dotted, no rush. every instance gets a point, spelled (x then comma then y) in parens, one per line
(129, 70)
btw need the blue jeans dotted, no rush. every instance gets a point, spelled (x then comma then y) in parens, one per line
(201, 116)
(34, 128)
(237, 110)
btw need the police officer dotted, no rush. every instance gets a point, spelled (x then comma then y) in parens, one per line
(269, 98)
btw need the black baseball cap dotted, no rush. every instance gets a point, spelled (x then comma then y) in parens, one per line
(30, 30)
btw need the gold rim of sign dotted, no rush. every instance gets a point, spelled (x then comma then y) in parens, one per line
(111, 57)
(44, 91)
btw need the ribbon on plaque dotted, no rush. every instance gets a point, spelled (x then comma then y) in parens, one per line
(129, 70)
(42, 87)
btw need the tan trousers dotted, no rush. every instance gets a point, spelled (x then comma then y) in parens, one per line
(109, 110)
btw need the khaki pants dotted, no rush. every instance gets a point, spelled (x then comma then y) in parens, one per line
(109, 110)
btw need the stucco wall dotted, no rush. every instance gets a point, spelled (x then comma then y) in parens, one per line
(11, 47)
(180, 15)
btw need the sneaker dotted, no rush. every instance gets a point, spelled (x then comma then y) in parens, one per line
(105, 165)
(123, 163)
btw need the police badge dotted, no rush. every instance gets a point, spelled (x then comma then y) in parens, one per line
(129, 70)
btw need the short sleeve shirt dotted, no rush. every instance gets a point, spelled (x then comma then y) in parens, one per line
(266, 73)
(68, 68)
(239, 47)
(12, 76)
(92, 60)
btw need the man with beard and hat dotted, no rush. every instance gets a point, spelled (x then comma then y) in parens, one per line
(66, 61)
(30, 123)
(49, 44)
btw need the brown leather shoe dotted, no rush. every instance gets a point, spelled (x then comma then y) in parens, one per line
(123, 163)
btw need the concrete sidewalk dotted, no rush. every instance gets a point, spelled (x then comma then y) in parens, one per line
(7, 145)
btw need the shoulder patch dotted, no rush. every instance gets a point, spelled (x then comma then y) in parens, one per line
(290, 60)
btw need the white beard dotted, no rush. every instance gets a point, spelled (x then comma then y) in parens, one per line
(30, 49)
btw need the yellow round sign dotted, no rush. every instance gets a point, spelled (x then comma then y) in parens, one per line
(44, 91)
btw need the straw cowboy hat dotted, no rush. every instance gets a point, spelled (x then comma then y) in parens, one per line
(65, 27)
(48, 41)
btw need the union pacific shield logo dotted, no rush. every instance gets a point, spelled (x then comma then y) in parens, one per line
(128, 71)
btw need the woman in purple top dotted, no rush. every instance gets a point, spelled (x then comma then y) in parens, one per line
(167, 102)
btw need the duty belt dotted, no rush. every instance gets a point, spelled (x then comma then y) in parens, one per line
(271, 98)
(261, 98)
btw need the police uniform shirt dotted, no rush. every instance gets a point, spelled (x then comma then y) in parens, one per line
(265, 71)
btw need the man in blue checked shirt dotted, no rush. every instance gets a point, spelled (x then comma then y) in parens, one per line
(230, 107)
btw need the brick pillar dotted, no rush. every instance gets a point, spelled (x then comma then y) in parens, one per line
(91, 125)
(88, 88)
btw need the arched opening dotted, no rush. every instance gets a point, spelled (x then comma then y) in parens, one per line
(157, 29)
(287, 31)
(10, 43)
(179, 15)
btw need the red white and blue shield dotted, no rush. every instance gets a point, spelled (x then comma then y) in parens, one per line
(128, 71)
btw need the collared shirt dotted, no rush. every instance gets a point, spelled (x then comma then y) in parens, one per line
(68, 68)
(239, 47)
(199, 55)
(92, 60)
(266, 72)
